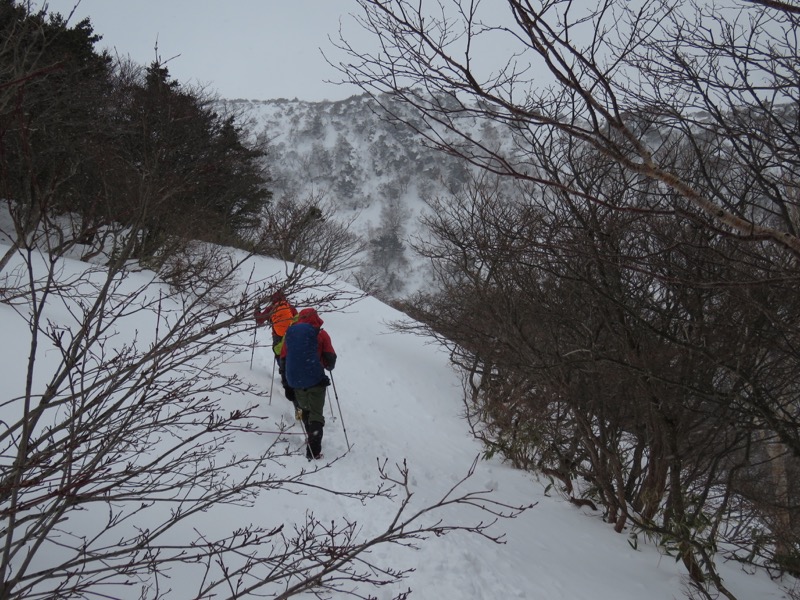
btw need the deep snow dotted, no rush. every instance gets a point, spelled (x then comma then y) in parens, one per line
(401, 401)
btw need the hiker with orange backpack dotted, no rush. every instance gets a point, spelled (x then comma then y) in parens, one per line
(279, 313)
(307, 351)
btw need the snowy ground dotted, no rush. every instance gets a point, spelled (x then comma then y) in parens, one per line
(401, 401)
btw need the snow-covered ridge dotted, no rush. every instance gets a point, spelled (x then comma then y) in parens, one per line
(348, 154)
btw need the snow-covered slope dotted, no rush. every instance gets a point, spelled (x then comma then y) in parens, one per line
(401, 401)
(368, 168)
(401, 405)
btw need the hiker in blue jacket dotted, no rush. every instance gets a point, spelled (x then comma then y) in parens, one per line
(307, 351)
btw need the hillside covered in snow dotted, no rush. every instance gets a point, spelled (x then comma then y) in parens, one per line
(369, 168)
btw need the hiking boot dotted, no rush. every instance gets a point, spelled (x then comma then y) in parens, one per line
(314, 441)
(309, 456)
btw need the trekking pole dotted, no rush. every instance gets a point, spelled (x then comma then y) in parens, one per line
(339, 406)
(272, 381)
(253, 350)
(328, 399)
(305, 433)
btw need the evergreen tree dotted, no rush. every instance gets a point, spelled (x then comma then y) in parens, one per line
(53, 87)
(116, 145)
(199, 179)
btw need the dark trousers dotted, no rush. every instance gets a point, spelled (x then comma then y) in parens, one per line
(312, 401)
(314, 430)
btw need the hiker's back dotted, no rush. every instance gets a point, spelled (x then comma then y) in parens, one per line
(282, 316)
(303, 364)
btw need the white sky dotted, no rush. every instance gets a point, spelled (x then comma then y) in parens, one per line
(257, 49)
(254, 49)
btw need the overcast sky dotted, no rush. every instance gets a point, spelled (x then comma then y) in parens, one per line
(254, 49)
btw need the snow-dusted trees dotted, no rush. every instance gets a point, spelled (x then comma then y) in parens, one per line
(385, 271)
(627, 314)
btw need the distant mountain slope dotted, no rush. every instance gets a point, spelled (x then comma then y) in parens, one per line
(346, 153)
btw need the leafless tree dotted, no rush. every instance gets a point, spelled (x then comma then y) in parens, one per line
(592, 354)
(590, 74)
(639, 287)
(308, 232)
